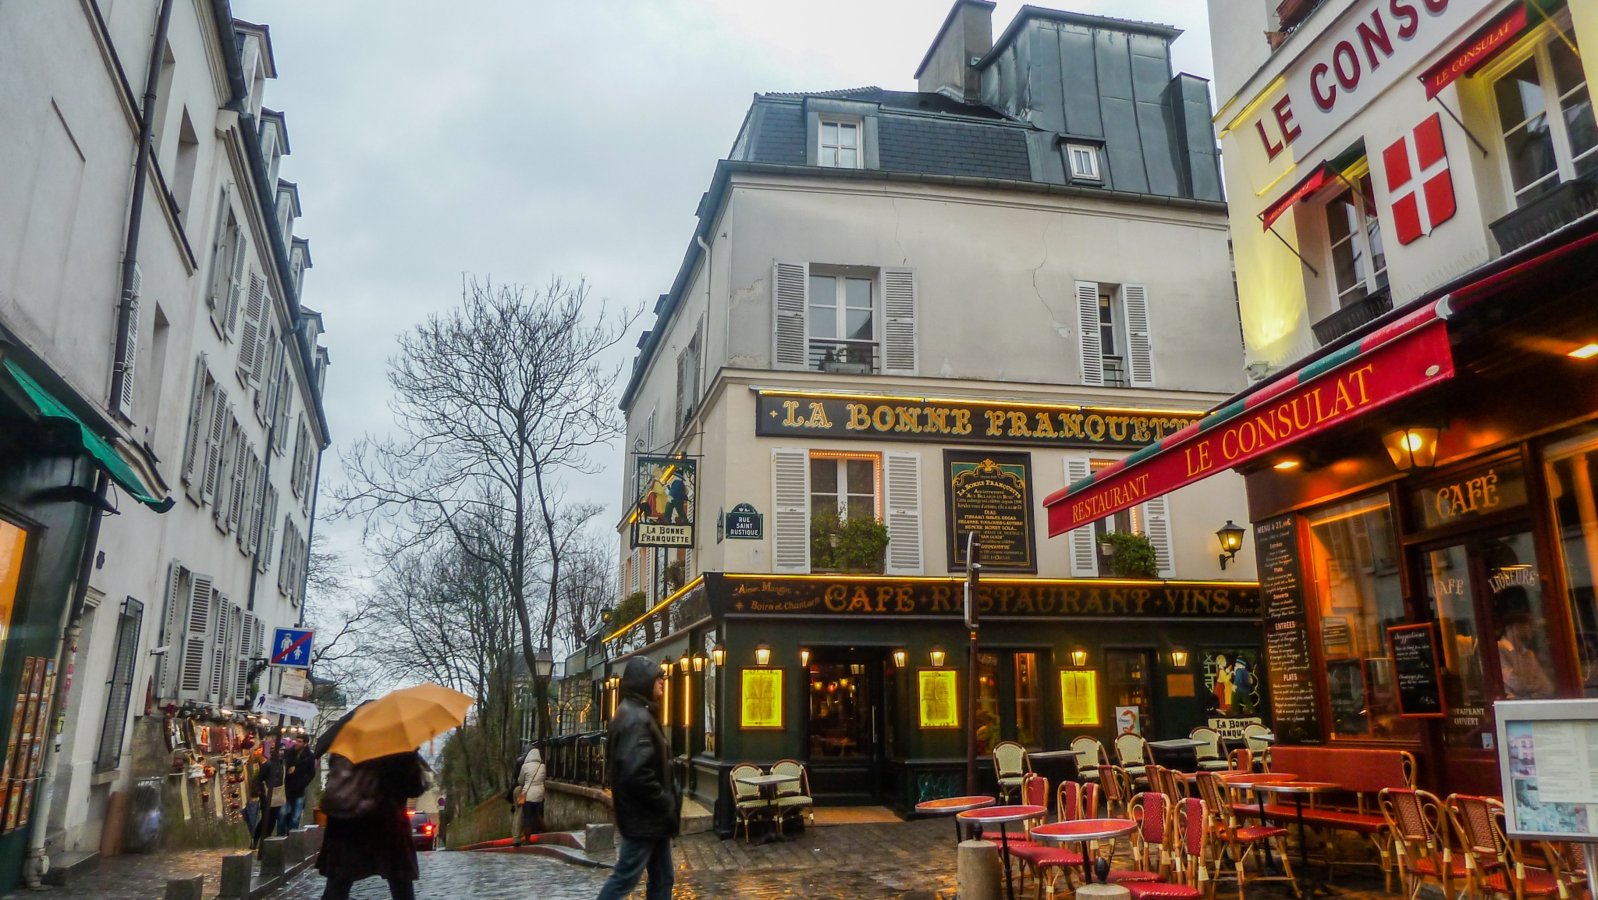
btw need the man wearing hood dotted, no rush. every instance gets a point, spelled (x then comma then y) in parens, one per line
(642, 790)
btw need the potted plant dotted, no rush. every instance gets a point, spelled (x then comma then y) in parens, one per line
(1131, 554)
(856, 544)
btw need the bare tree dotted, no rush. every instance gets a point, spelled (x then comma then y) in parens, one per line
(587, 589)
(496, 401)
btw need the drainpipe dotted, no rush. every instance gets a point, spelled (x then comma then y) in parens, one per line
(37, 863)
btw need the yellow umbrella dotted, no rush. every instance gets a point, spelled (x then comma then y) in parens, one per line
(400, 722)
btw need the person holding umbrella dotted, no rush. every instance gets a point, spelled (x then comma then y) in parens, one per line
(643, 793)
(373, 771)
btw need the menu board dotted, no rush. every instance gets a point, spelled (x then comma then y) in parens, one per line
(1420, 691)
(1287, 656)
(990, 494)
(1548, 768)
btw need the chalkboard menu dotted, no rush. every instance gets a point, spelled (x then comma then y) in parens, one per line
(1420, 692)
(1287, 656)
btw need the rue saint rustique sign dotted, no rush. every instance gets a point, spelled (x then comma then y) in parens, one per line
(783, 414)
(1025, 598)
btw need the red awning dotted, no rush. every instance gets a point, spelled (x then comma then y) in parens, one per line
(1409, 355)
(1322, 175)
(1474, 52)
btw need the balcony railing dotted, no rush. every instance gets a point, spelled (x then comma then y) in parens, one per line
(1553, 210)
(1352, 316)
(843, 357)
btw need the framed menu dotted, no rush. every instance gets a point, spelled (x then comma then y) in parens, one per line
(1288, 662)
(1415, 667)
(760, 698)
(1548, 768)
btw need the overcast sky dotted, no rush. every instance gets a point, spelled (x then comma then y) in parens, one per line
(525, 139)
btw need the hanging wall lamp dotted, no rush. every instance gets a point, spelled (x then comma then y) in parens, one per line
(1414, 447)
(804, 657)
(899, 658)
(1079, 657)
(937, 656)
(1231, 535)
(762, 654)
(719, 655)
(1178, 658)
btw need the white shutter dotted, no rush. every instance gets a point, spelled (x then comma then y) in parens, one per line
(687, 565)
(192, 453)
(230, 314)
(1140, 350)
(196, 637)
(790, 510)
(899, 322)
(903, 489)
(250, 333)
(1157, 525)
(280, 414)
(1087, 321)
(123, 401)
(790, 346)
(177, 616)
(221, 659)
(1081, 541)
(221, 265)
(241, 667)
(216, 435)
(263, 552)
(266, 365)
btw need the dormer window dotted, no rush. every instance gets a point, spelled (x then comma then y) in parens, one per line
(839, 144)
(1082, 161)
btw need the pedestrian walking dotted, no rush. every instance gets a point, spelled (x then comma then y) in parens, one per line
(368, 833)
(644, 794)
(530, 788)
(296, 780)
(271, 795)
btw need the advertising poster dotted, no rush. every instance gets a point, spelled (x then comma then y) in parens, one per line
(665, 511)
(1128, 720)
(1232, 684)
(938, 698)
(1079, 697)
(761, 695)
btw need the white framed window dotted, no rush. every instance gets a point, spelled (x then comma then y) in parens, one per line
(1545, 118)
(1359, 263)
(1152, 519)
(838, 144)
(1114, 339)
(846, 484)
(1082, 160)
(841, 320)
(1110, 344)
(807, 484)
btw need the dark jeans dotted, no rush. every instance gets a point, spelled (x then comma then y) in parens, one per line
(267, 826)
(632, 859)
(288, 816)
(532, 818)
(339, 889)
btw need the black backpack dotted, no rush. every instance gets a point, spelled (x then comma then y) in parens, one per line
(352, 791)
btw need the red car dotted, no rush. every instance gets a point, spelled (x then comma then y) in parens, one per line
(423, 829)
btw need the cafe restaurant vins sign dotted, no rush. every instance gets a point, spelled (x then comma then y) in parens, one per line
(784, 414)
(1031, 598)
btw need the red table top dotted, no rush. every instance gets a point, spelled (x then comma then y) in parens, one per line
(951, 805)
(999, 815)
(1083, 829)
(1255, 780)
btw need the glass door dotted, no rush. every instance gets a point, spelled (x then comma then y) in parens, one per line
(846, 739)
(1129, 682)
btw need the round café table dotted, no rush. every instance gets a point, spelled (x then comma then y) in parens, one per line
(1053, 764)
(953, 806)
(1298, 790)
(1083, 831)
(1002, 816)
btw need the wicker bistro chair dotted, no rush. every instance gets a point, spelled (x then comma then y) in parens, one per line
(1493, 865)
(1010, 767)
(1238, 840)
(1210, 756)
(1190, 851)
(1240, 760)
(747, 802)
(1093, 756)
(793, 797)
(1115, 788)
(1258, 745)
(1151, 842)
(1132, 752)
(1417, 822)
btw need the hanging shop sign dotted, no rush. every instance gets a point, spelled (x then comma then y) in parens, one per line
(744, 523)
(1031, 598)
(787, 414)
(664, 513)
(990, 495)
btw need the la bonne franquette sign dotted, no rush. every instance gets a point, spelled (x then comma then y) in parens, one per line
(1369, 48)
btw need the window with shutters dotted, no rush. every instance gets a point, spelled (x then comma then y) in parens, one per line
(846, 485)
(841, 319)
(810, 485)
(124, 385)
(119, 688)
(215, 440)
(844, 319)
(1113, 327)
(228, 479)
(228, 256)
(263, 550)
(195, 444)
(285, 562)
(194, 662)
(1151, 519)
(687, 382)
(281, 407)
(268, 362)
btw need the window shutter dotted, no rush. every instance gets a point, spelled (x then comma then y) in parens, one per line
(790, 510)
(221, 659)
(286, 558)
(177, 616)
(903, 488)
(196, 438)
(790, 348)
(123, 401)
(241, 670)
(230, 315)
(266, 364)
(1084, 556)
(221, 265)
(688, 565)
(1087, 321)
(196, 638)
(263, 552)
(280, 413)
(250, 333)
(1157, 525)
(899, 322)
(1140, 351)
(216, 435)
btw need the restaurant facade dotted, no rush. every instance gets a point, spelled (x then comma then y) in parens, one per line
(1412, 188)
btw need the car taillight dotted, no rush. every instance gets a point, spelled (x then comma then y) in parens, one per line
(427, 831)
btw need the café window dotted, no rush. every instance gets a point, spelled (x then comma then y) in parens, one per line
(1009, 700)
(1129, 683)
(1572, 473)
(1354, 569)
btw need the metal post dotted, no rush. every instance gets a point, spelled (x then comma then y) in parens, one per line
(973, 575)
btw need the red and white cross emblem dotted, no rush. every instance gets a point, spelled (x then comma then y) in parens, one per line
(1418, 183)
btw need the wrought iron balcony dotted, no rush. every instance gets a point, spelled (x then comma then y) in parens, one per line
(1352, 316)
(1553, 210)
(841, 357)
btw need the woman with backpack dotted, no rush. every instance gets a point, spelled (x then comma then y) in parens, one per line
(368, 832)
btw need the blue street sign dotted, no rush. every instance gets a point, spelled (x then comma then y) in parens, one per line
(291, 647)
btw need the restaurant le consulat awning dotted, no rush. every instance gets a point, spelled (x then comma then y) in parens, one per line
(1406, 352)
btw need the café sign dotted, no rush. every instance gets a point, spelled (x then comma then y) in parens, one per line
(786, 414)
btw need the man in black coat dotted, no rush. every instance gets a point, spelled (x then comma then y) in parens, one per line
(642, 790)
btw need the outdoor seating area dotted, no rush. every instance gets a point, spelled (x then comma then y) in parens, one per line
(771, 797)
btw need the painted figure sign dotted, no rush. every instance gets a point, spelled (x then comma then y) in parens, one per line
(1232, 680)
(664, 516)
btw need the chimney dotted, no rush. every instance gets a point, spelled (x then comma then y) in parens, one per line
(966, 36)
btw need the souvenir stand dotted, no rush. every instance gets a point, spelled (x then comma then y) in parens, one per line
(211, 748)
(1548, 763)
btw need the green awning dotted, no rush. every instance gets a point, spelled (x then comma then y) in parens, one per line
(105, 455)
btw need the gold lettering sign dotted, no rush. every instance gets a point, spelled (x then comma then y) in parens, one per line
(939, 698)
(1479, 493)
(781, 413)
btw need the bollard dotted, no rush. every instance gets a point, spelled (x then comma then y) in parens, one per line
(313, 839)
(237, 871)
(599, 838)
(274, 856)
(1102, 892)
(979, 873)
(191, 888)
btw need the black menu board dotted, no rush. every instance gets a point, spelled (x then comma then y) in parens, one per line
(1420, 691)
(1287, 657)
